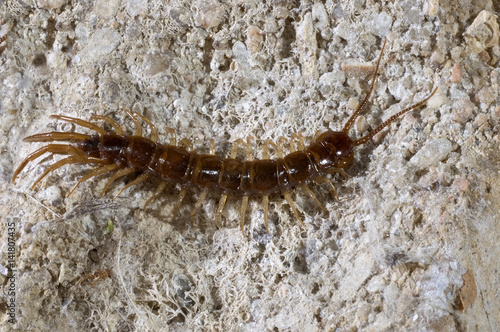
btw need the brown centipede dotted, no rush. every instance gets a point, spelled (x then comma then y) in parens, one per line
(329, 152)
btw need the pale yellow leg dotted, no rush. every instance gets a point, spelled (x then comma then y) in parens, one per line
(110, 121)
(137, 124)
(157, 192)
(119, 174)
(99, 171)
(279, 149)
(173, 137)
(154, 131)
(340, 171)
(212, 146)
(138, 180)
(289, 199)
(220, 208)
(175, 210)
(244, 204)
(329, 183)
(187, 144)
(299, 143)
(313, 196)
(265, 206)
(200, 201)
(265, 148)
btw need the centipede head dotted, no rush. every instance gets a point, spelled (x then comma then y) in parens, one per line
(332, 150)
(341, 147)
(90, 146)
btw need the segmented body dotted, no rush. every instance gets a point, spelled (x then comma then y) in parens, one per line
(332, 150)
(329, 152)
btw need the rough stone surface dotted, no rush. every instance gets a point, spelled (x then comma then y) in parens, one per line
(412, 244)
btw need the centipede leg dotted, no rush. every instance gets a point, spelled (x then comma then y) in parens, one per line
(220, 208)
(316, 134)
(286, 193)
(173, 137)
(157, 192)
(99, 171)
(340, 171)
(200, 201)
(119, 174)
(79, 122)
(279, 148)
(51, 148)
(154, 131)
(313, 196)
(56, 136)
(330, 185)
(244, 204)
(265, 206)
(289, 199)
(65, 161)
(186, 143)
(298, 139)
(182, 194)
(137, 124)
(118, 129)
(138, 180)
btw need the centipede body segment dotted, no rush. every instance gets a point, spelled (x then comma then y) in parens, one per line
(177, 163)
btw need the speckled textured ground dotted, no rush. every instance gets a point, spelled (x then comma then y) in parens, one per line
(412, 244)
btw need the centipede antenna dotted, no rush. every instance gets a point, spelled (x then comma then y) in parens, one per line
(353, 117)
(387, 122)
(79, 122)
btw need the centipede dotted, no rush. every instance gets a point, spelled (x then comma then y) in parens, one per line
(177, 164)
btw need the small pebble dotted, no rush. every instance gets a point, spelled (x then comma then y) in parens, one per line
(481, 119)
(431, 153)
(463, 110)
(456, 74)
(483, 32)
(255, 38)
(357, 69)
(210, 13)
(461, 184)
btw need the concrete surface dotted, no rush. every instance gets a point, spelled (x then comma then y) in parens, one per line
(412, 245)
